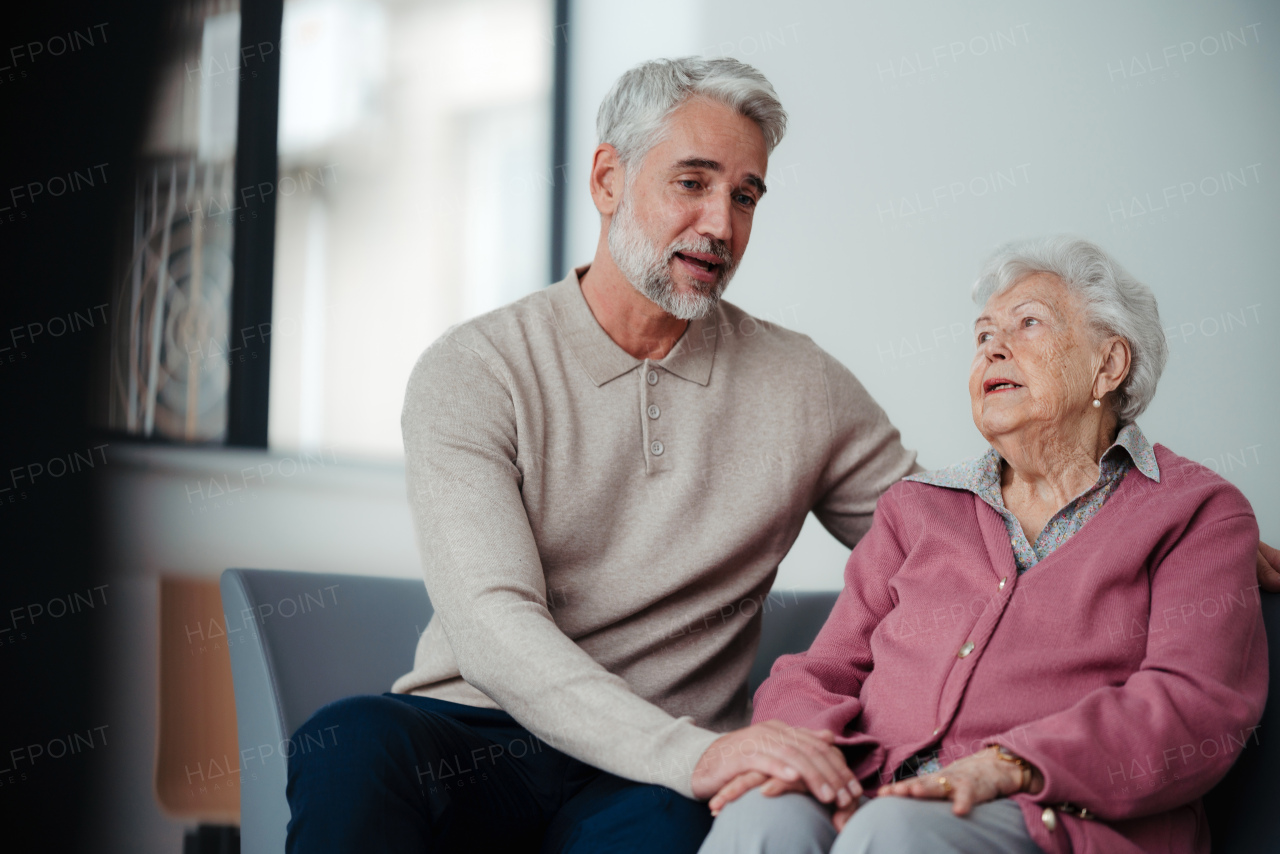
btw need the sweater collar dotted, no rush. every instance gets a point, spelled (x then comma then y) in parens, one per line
(603, 360)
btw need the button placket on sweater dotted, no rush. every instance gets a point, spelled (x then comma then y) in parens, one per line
(652, 380)
(965, 660)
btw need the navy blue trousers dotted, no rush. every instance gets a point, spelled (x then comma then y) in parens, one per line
(410, 774)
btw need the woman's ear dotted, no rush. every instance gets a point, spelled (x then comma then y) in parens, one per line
(1114, 368)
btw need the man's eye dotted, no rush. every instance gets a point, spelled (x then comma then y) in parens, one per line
(746, 201)
(689, 184)
(984, 337)
(1028, 321)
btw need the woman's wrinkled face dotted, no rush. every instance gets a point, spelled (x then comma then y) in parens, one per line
(1036, 358)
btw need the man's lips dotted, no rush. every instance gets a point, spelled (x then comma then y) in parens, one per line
(703, 266)
(998, 384)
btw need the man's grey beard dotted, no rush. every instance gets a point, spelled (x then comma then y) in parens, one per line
(648, 268)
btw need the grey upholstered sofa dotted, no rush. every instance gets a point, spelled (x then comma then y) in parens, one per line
(305, 639)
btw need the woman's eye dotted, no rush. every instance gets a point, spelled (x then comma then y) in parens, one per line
(1029, 321)
(984, 337)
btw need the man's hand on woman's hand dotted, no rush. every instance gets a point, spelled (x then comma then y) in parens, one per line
(774, 786)
(1268, 568)
(974, 780)
(772, 749)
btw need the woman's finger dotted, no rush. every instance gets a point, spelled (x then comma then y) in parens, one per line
(897, 789)
(735, 789)
(922, 787)
(962, 796)
(841, 816)
(739, 784)
(930, 787)
(776, 787)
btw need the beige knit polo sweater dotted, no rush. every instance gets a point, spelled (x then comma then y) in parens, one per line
(598, 531)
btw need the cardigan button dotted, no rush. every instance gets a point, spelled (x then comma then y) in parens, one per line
(1050, 819)
(1002, 581)
(965, 650)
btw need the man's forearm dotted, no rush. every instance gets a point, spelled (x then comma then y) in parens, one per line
(560, 694)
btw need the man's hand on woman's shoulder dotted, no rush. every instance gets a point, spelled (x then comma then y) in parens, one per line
(1268, 568)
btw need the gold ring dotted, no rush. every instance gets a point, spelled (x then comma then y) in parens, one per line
(945, 784)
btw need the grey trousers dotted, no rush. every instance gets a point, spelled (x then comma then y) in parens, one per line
(798, 824)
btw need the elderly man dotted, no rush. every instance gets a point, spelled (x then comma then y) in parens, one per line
(604, 477)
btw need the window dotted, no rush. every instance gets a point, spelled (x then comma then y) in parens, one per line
(414, 193)
(171, 305)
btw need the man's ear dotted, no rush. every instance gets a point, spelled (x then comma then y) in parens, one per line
(606, 179)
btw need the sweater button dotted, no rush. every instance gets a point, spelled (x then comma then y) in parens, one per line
(1002, 581)
(656, 449)
(1050, 819)
(653, 410)
(965, 650)
(652, 378)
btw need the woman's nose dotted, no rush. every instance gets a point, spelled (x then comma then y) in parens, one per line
(995, 347)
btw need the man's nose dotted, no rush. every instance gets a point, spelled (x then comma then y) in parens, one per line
(716, 219)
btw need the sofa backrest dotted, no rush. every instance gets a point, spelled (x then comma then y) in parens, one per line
(302, 640)
(299, 640)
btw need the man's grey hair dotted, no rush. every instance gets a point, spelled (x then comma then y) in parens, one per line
(1116, 302)
(633, 116)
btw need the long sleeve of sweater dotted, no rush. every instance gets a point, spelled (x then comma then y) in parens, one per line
(486, 580)
(820, 688)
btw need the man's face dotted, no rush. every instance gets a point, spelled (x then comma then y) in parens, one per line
(684, 219)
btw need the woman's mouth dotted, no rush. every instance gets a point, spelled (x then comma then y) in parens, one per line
(999, 384)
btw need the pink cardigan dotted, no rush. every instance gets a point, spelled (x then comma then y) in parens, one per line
(1130, 665)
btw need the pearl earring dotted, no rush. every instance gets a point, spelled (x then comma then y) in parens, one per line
(1096, 403)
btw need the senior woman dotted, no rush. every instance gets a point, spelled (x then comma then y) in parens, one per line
(1021, 657)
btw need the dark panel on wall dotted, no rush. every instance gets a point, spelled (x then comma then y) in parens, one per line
(256, 173)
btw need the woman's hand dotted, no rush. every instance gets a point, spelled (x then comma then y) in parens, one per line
(739, 786)
(968, 782)
(846, 799)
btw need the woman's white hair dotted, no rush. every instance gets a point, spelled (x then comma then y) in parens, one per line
(633, 116)
(1116, 302)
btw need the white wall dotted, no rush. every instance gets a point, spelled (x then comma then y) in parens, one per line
(924, 134)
